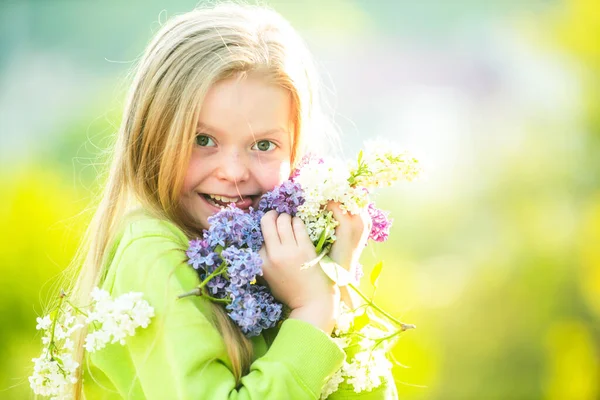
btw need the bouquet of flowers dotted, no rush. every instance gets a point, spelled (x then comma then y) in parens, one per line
(110, 320)
(227, 261)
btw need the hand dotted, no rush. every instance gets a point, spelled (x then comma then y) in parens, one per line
(351, 234)
(308, 291)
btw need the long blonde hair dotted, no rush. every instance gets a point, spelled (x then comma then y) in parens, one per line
(189, 54)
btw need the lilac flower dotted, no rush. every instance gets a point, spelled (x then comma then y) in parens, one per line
(217, 287)
(285, 198)
(233, 227)
(242, 265)
(253, 309)
(201, 257)
(381, 224)
(251, 232)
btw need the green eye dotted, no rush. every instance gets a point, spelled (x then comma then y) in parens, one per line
(264, 145)
(204, 141)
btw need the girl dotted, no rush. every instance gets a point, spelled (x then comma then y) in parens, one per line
(223, 104)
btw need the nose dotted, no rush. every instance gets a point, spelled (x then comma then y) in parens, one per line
(233, 167)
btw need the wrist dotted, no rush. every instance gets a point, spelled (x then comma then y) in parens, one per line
(321, 314)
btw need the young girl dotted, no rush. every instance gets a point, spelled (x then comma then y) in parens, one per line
(222, 106)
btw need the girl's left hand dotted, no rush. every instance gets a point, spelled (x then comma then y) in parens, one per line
(351, 234)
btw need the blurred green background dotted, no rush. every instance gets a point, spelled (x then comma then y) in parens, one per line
(494, 255)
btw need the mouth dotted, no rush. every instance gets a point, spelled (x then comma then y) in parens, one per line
(219, 201)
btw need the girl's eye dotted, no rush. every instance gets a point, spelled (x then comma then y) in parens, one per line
(264, 145)
(204, 141)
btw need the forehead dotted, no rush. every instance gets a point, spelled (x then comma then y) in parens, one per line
(246, 105)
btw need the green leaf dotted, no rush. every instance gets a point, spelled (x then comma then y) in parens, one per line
(375, 273)
(361, 321)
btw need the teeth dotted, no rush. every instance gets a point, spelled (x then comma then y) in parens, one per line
(224, 199)
(222, 207)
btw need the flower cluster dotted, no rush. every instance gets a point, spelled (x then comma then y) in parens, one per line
(324, 181)
(382, 164)
(227, 262)
(285, 198)
(366, 365)
(54, 371)
(116, 319)
(380, 230)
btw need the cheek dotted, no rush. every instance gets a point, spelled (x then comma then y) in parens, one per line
(190, 179)
(273, 174)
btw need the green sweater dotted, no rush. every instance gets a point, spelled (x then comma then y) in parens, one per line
(181, 355)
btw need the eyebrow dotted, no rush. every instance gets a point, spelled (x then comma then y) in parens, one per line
(203, 126)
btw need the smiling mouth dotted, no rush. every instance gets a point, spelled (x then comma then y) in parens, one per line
(219, 201)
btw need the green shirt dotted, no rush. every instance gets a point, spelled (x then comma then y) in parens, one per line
(181, 354)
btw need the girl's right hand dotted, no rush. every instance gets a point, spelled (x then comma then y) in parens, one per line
(308, 292)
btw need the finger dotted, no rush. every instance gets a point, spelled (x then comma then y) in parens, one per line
(268, 225)
(301, 233)
(335, 208)
(284, 228)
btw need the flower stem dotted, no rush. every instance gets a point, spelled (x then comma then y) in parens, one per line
(199, 290)
(381, 311)
(316, 260)
(216, 272)
(62, 297)
(321, 241)
(215, 299)
(77, 309)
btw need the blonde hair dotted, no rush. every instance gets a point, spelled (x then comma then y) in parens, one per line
(188, 55)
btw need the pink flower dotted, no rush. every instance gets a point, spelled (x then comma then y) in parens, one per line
(381, 224)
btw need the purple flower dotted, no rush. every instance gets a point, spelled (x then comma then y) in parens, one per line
(381, 224)
(253, 309)
(242, 265)
(285, 198)
(217, 287)
(251, 234)
(233, 227)
(244, 310)
(201, 257)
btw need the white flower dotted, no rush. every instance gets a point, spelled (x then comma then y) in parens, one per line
(332, 384)
(317, 223)
(367, 369)
(116, 319)
(383, 164)
(344, 320)
(43, 323)
(54, 372)
(96, 340)
(51, 377)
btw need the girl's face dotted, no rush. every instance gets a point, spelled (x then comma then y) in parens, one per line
(242, 148)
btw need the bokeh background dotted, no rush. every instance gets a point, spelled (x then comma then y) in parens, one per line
(494, 254)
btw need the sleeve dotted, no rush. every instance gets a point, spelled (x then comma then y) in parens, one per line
(181, 355)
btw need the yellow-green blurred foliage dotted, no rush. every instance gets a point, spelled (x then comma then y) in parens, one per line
(499, 270)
